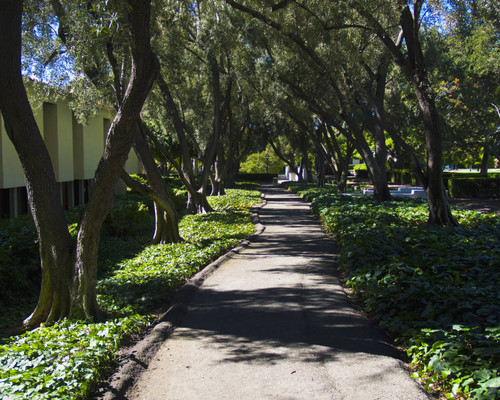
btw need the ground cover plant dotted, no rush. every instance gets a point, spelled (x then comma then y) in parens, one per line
(435, 289)
(65, 360)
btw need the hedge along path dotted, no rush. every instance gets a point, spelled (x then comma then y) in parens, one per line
(273, 321)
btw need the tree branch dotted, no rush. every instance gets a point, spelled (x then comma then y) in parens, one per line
(280, 5)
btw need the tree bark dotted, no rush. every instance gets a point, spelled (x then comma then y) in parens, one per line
(117, 146)
(413, 66)
(484, 161)
(439, 208)
(166, 219)
(338, 161)
(161, 203)
(319, 160)
(166, 222)
(43, 194)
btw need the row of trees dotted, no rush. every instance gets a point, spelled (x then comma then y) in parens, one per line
(372, 72)
(199, 85)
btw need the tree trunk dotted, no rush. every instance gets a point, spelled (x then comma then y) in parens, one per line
(166, 219)
(439, 207)
(413, 66)
(196, 193)
(378, 131)
(320, 168)
(306, 166)
(377, 173)
(43, 194)
(117, 146)
(319, 158)
(484, 161)
(373, 115)
(197, 202)
(232, 156)
(338, 162)
(169, 231)
(217, 178)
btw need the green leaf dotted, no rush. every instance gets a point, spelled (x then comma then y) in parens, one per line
(492, 383)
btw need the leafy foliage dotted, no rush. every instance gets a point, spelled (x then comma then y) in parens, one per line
(436, 289)
(262, 162)
(150, 278)
(19, 267)
(65, 360)
(235, 198)
(131, 216)
(62, 361)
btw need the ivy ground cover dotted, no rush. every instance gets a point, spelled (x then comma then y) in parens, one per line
(435, 289)
(65, 360)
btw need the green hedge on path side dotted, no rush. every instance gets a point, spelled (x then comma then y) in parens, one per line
(435, 289)
(66, 360)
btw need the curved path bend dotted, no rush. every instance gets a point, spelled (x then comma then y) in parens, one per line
(273, 322)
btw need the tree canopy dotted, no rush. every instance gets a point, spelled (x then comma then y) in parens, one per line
(200, 86)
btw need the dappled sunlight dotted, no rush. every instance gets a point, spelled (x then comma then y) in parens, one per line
(319, 322)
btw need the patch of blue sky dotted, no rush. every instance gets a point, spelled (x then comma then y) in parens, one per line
(45, 59)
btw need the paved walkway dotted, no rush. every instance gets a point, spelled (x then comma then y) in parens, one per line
(273, 322)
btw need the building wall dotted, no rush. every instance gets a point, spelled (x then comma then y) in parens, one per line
(11, 172)
(88, 146)
(75, 151)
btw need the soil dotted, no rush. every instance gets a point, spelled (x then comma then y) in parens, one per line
(478, 204)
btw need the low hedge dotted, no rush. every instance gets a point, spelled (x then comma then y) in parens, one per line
(361, 172)
(435, 289)
(401, 176)
(474, 187)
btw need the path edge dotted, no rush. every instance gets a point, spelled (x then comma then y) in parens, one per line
(135, 359)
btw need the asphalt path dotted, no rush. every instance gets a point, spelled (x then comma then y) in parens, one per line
(273, 322)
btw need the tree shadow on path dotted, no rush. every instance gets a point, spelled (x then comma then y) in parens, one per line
(299, 306)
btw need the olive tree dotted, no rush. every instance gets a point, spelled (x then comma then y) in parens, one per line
(69, 268)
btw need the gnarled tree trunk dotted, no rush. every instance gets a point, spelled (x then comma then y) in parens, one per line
(118, 143)
(166, 219)
(412, 65)
(69, 275)
(43, 195)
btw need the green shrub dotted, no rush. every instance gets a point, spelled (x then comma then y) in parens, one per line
(474, 187)
(179, 198)
(401, 176)
(149, 279)
(62, 361)
(236, 198)
(436, 289)
(19, 268)
(247, 185)
(361, 171)
(65, 360)
(131, 215)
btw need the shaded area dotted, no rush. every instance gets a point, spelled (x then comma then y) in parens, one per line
(481, 205)
(274, 322)
(247, 325)
(307, 312)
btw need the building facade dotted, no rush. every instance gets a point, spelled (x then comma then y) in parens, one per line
(75, 151)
